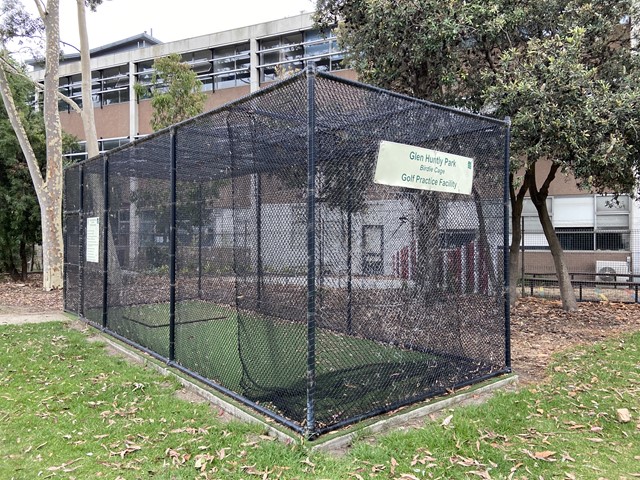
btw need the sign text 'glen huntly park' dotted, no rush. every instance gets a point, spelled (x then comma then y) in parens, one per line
(401, 165)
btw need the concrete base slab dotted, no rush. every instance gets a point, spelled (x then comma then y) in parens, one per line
(414, 415)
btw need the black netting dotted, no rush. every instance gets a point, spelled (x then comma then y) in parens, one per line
(403, 297)
(72, 239)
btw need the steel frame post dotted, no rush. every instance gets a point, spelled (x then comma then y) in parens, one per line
(105, 241)
(505, 201)
(172, 249)
(311, 249)
(81, 245)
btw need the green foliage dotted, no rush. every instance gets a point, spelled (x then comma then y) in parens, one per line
(577, 110)
(20, 212)
(563, 70)
(176, 94)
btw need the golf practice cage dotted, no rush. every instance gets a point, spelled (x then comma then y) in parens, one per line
(307, 250)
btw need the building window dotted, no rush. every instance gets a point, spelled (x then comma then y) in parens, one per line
(456, 238)
(79, 151)
(144, 76)
(231, 66)
(201, 62)
(71, 87)
(108, 86)
(112, 86)
(289, 53)
(593, 222)
(372, 249)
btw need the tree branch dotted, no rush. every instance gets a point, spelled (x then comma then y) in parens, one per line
(42, 11)
(21, 134)
(550, 176)
(76, 108)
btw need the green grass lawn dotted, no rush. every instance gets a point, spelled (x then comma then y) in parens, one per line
(69, 410)
(265, 359)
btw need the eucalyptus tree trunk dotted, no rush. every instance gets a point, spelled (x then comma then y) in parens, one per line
(88, 118)
(50, 194)
(48, 189)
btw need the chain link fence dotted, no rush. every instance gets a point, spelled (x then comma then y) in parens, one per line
(603, 264)
(250, 248)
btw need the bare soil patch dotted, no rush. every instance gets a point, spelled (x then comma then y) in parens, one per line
(28, 297)
(539, 327)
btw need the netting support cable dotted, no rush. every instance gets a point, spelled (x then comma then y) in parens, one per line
(105, 241)
(311, 249)
(505, 249)
(172, 251)
(81, 246)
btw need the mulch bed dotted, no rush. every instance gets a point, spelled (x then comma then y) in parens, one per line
(539, 326)
(25, 297)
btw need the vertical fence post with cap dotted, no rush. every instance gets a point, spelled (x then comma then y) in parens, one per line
(172, 250)
(505, 250)
(105, 242)
(81, 244)
(311, 249)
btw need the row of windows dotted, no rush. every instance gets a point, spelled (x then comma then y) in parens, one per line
(79, 151)
(585, 222)
(217, 68)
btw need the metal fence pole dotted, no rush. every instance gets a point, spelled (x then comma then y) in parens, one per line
(506, 200)
(311, 249)
(105, 237)
(81, 245)
(172, 251)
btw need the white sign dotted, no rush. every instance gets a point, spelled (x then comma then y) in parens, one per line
(401, 165)
(93, 239)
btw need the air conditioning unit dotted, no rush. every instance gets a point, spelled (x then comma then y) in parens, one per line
(611, 271)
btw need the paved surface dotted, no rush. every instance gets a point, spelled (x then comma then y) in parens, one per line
(18, 317)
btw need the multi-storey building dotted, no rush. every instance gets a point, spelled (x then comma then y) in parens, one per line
(230, 64)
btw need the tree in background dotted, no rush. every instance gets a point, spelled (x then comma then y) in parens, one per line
(48, 187)
(176, 92)
(563, 70)
(18, 25)
(20, 213)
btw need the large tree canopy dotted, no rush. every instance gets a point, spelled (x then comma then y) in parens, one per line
(563, 70)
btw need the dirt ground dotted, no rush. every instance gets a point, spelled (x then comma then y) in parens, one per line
(539, 327)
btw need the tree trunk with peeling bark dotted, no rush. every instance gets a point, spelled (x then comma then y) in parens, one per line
(48, 189)
(87, 115)
(51, 196)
